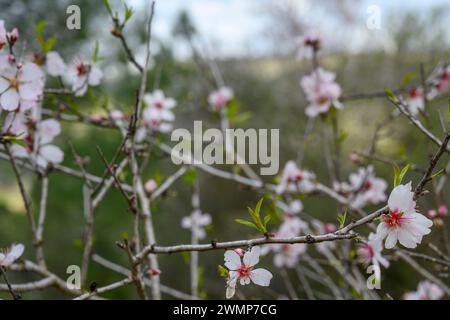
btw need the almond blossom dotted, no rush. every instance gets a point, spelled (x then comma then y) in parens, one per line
(242, 270)
(150, 186)
(295, 180)
(369, 253)
(321, 91)
(415, 101)
(157, 100)
(83, 74)
(403, 223)
(218, 99)
(38, 146)
(153, 120)
(3, 39)
(196, 222)
(21, 85)
(426, 290)
(363, 188)
(8, 257)
(440, 81)
(55, 64)
(308, 45)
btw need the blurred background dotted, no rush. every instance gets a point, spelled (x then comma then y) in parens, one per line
(254, 45)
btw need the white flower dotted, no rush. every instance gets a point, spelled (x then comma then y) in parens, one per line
(366, 188)
(403, 223)
(426, 290)
(243, 270)
(321, 228)
(15, 252)
(321, 92)
(196, 222)
(440, 82)
(38, 146)
(153, 120)
(55, 64)
(3, 39)
(20, 84)
(82, 74)
(415, 101)
(370, 252)
(295, 180)
(219, 98)
(308, 44)
(157, 100)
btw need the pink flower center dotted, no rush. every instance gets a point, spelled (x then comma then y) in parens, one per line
(367, 185)
(415, 93)
(158, 104)
(244, 271)
(394, 219)
(81, 69)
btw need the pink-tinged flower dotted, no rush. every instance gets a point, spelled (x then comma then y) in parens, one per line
(443, 210)
(369, 253)
(321, 228)
(426, 290)
(55, 64)
(38, 146)
(288, 255)
(82, 74)
(150, 186)
(321, 92)
(8, 257)
(367, 188)
(12, 36)
(218, 99)
(415, 101)
(440, 81)
(3, 39)
(308, 45)
(403, 223)
(295, 180)
(153, 120)
(157, 100)
(354, 157)
(242, 270)
(21, 85)
(196, 222)
(294, 208)
(240, 252)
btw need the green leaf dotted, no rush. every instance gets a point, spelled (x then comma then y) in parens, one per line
(95, 56)
(341, 219)
(247, 223)
(108, 7)
(222, 271)
(266, 220)
(128, 12)
(399, 174)
(390, 94)
(403, 172)
(342, 136)
(437, 173)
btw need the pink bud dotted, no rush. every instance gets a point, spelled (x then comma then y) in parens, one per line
(329, 227)
(96, 118)
(154, 272)
(443, 210)
(150, 186)
(354, 157)
(117, 115)
(239, 251)
(431, 213)
(13, 36)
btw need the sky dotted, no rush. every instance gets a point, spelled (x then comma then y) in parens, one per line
(234, 27)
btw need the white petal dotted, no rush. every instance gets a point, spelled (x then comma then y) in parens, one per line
(232, 260)
(406, 239)
(261, 277)
(391, 239)
(52, 153)
(402, 198)
(95, 76)
(9, 100)
(4, 84)
(252, 257)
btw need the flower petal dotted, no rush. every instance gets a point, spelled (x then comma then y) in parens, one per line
(261, 277)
